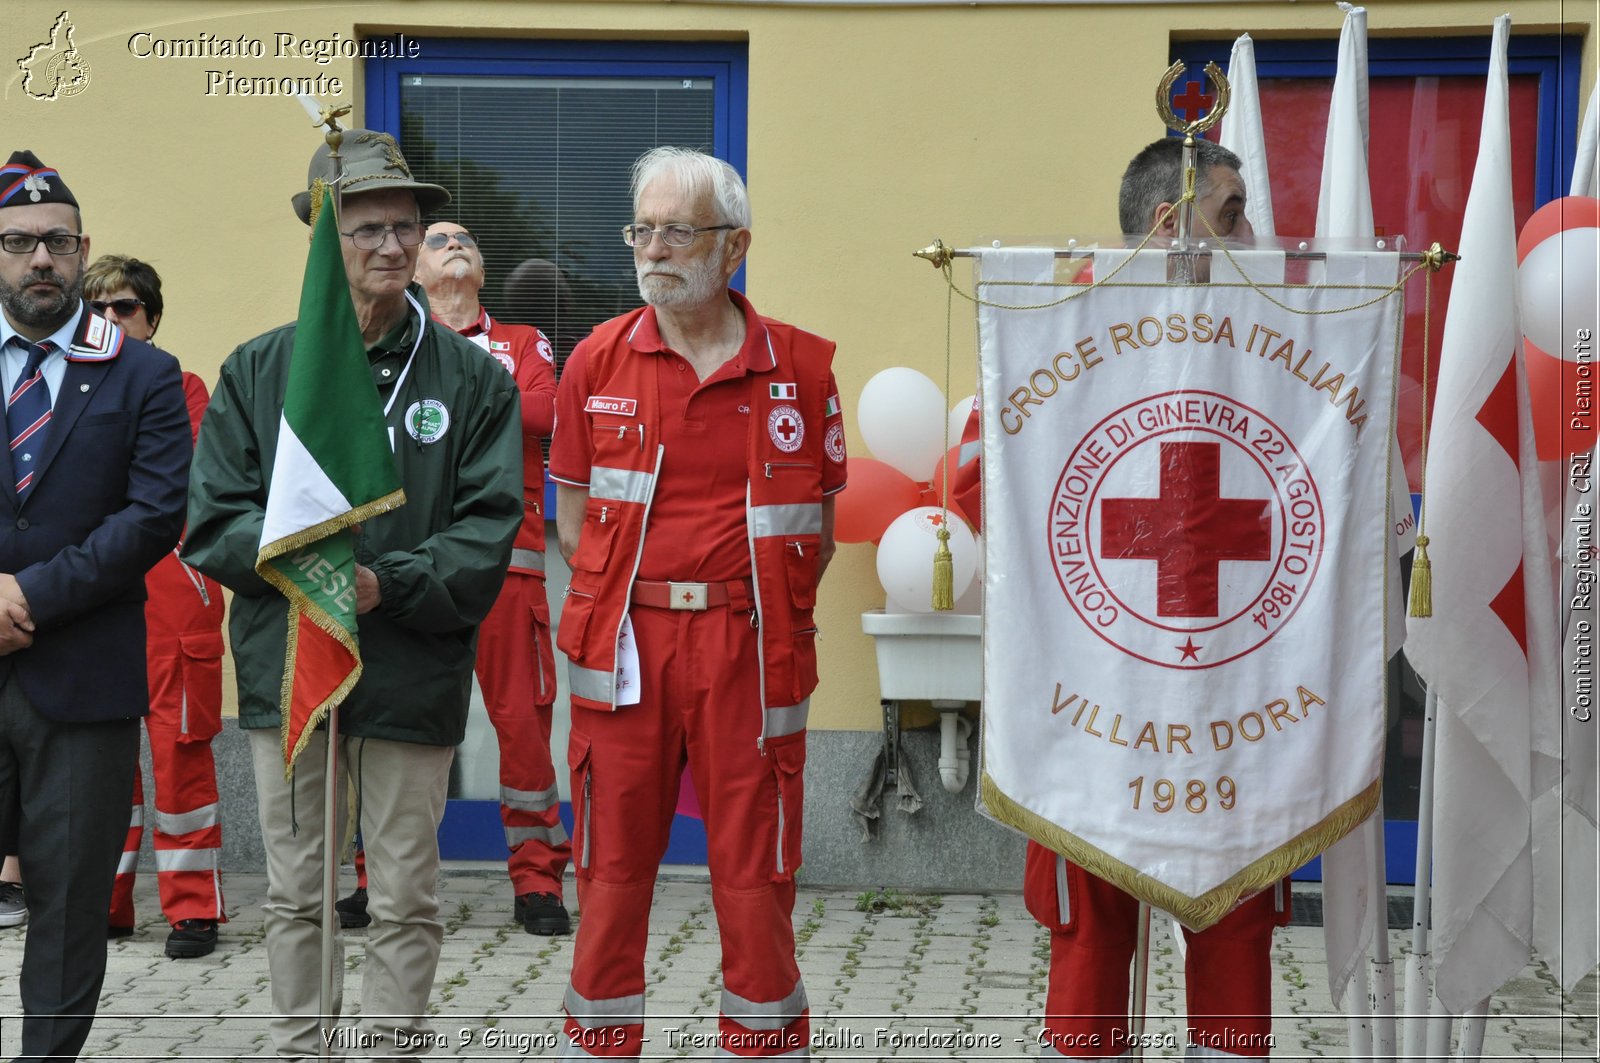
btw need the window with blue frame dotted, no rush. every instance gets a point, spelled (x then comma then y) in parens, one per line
(534, 140)
(1426, 107)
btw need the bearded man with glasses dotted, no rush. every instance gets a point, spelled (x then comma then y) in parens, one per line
(92, 496)
(697, 450)
(426, 574)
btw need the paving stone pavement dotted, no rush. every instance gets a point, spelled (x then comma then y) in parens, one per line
(890, 977)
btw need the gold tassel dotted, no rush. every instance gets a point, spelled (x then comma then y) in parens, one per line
(944, 578)
(1422, 581)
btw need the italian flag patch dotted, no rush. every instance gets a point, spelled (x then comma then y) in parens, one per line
(833, 405)
(782, 391)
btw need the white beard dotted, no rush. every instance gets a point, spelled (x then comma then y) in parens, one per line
(693, 286)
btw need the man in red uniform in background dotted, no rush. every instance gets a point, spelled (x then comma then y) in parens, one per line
(183, 621)
(516, 662)
(697, 448)
(1093, 924)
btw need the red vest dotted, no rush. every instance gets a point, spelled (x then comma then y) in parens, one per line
(528, 357)
(783, 512)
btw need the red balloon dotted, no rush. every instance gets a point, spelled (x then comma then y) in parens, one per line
(874, 497)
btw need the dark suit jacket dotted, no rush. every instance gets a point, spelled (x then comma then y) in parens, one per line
(107, 503)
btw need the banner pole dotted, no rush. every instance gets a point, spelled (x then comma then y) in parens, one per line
(1141, 978)
(1417, 1021)
(330, 884)
(1439, 1023)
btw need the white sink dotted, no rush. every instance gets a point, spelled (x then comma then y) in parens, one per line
(932, 656)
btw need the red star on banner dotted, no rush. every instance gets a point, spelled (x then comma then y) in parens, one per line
(1190, 651)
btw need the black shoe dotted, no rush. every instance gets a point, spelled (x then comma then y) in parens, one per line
(353, 910)
(192, 938)
(542, 913)
(113, 931)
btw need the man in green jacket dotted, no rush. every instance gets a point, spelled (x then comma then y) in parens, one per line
(426, 574)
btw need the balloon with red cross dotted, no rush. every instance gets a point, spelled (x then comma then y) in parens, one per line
(1556, 287)
(905, 558)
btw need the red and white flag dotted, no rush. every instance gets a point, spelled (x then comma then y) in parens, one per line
(1566, 845)
(1489, 649)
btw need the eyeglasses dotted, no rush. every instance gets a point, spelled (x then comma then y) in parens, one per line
(122, 307)
(675, 235)
(370, 237)
(437, 241)
(55, 243)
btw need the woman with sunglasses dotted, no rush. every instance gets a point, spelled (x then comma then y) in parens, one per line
(183, 621)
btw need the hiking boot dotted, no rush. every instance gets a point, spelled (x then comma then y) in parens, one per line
(353, 910)
(192, 938)
(542, 913)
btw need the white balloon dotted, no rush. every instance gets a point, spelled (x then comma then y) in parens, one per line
(905, 558)
(1556, 285)
(901, 416)
(972, 601)
(958, 419)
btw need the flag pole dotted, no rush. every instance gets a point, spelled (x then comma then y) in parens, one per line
(1358, 1010)
(1417, 1020)
(1141, 981)
(1439, 1023)
(1472, 1029)
(1383, 1022)
(329, 117)
(330, 886)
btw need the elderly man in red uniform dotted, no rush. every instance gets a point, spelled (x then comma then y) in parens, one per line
(697, 448)
(1093, 924)
(516, 664)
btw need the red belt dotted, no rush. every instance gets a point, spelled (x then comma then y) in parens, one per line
(664, 594)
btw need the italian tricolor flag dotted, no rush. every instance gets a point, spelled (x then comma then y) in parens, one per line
(333, 469)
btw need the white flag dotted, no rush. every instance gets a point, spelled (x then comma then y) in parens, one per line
(1489, 649)
(1242, 134)
(1350, 911)
(1566, 846)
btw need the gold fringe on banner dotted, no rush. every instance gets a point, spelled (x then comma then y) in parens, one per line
(1196, 913)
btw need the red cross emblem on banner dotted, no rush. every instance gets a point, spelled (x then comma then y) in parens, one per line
(1189, 530)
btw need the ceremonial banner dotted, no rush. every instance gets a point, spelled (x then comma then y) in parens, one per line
(332, 469)
(1186, 516)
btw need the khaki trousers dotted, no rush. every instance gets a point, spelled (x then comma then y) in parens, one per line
(402, 787)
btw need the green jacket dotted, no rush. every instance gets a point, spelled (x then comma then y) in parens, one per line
(440, 558)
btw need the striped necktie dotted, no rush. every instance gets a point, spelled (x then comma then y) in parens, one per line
(28, 414)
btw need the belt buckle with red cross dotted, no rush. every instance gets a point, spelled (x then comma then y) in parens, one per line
(688, 595)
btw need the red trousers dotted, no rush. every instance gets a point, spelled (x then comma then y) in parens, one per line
(184, 650)
(700, 705)
(1093, 932)
(517, 673)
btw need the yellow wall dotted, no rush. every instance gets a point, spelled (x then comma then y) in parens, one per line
(872, 130)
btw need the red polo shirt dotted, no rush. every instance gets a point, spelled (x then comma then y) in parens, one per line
(697, 517)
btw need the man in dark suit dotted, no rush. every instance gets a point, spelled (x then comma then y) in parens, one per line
(91, 495)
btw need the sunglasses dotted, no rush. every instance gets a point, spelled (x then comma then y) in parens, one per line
(123, 307)
(439, 240)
